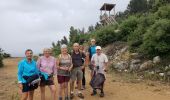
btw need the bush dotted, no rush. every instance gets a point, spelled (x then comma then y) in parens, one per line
(106, 35)
(135, 39)
(127, 27)
(156, 41)
(163, 12)
(1, 57)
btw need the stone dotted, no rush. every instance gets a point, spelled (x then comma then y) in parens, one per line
(134, 67)
(161, 74)
(156, 60)
(122, 65)
(135, 61)
(135, 64)
(146, 65)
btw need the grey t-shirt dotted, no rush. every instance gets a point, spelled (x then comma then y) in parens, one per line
(64, 62)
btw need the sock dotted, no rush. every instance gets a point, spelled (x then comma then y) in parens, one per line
(72, 92)
(79, 92)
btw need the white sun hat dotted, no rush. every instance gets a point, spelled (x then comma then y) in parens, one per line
(98, 48)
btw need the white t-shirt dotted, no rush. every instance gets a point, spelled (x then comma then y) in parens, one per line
(99, 60)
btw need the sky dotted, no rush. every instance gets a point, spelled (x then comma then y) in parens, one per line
(35, 24)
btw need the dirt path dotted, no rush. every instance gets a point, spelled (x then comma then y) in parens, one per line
(116, 88)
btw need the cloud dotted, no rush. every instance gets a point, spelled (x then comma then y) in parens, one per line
(36, 24)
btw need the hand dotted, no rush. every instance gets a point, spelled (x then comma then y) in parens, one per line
(66, 68)
(70, 68)
(82, 67)
(20, 86)
(105, 69)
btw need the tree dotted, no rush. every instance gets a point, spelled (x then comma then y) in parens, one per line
(91, 28)
(1, 58)
(64, 40)
(73, 33)
(137, 6)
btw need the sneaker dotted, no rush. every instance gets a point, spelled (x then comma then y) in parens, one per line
(71, 96)
(94, 93)
(102, 94)
(80, 95)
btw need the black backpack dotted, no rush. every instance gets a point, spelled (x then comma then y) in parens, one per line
(97, 81)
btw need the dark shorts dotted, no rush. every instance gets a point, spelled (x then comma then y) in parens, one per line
(63, 79)
(27, 88)
(46, 82)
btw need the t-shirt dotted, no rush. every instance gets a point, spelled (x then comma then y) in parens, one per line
(99, 60)
(92, 51)
(77, 59)
(64, 62)
(47, 65)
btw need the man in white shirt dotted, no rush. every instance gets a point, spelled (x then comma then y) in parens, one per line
(99, 61)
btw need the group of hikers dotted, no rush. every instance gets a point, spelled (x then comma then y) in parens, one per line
(68, 68)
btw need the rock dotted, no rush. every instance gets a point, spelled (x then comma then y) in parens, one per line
(135, 64)
(161, 74)
(122, 65)
(146, 65)
(124, 49)
(134, 67)
(168, 73)
(135, 61)
(136, 56)
(156, 60)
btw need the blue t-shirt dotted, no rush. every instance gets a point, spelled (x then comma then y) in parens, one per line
(92, 50)
(26, 68)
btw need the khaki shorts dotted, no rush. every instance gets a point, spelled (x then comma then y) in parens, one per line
(76, 73)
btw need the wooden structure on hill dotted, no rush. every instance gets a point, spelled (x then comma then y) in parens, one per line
(106, 18)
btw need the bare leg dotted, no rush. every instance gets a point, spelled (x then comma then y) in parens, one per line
(79, 85)
(66, 89)
(53, 91)
(24, 96)
(31, 95)
(42, 89)
(71, 86)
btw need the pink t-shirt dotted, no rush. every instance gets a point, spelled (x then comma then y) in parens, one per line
(47, 65)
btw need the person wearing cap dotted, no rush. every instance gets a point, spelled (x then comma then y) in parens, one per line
(47, 66)
(99, 61)
(64, 66)
(91, 52)
(27, 68)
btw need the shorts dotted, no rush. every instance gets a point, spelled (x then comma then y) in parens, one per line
(76, 73)
(63, 79)
(27, 87)
(47, 82)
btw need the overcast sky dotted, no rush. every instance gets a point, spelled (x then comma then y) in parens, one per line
(36, 24)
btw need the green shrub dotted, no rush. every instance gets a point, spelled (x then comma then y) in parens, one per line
(157, 39)
(106, 35)
(135, 39)
(1, 57)
(127, 27)
(163, 12)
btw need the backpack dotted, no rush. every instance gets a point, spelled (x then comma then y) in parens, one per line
(97, 81)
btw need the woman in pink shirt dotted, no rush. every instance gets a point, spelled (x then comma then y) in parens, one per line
(47, 66)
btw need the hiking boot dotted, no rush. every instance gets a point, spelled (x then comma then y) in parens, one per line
(80, 95)
(102, 94)
(94, 93)
(71, 96)
(67, 98)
